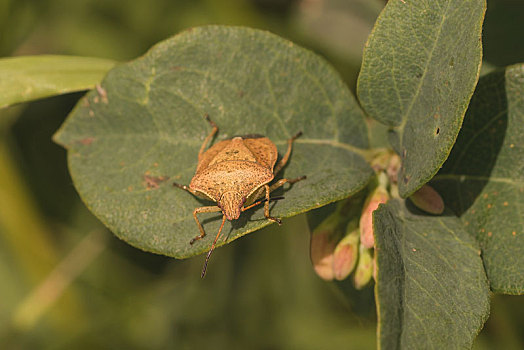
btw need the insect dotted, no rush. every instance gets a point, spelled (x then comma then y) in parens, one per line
(235, 174)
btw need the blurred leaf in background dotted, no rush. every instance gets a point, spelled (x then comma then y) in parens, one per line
(502, 32)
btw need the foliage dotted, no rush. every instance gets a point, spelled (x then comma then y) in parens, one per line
(151, 117)
(421, 121)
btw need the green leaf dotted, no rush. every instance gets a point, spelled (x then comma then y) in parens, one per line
(431, 285)
(483, 179)
(419, 70)
(28, 78)
(127, 146)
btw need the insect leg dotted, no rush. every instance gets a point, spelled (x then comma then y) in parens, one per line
(210, 209)
(260, 202)
(266, 207)
(209, 137)
(273, 187)
(281, 182)
(285, 158)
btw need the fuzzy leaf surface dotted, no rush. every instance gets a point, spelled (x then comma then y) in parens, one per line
(483, 179)
(431, 286)
(127, 146)
(420, 67)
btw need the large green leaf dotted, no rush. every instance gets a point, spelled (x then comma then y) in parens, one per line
(128, 143)
(483, 179)
(419, 70)
(28, 78)
(431, 286)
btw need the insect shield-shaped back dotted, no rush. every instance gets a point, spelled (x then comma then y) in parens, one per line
(232, 170)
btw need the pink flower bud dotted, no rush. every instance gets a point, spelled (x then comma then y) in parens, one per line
(378, 196)
(381, 160)
(428, 200)
(322, 248)
(364, 269)
(393, 168)
(346, 255)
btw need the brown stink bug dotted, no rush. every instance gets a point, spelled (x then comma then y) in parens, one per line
(235, 174)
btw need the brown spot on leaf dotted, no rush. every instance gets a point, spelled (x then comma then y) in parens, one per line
(152, 182)
(87, 141)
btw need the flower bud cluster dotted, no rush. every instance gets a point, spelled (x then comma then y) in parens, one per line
(339, 249)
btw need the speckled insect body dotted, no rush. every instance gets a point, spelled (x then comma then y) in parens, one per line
(235, 174)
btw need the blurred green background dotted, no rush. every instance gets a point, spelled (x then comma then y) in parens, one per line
(67, 283)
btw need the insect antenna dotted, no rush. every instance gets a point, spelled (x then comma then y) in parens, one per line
(212, 247)
(260, 202)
